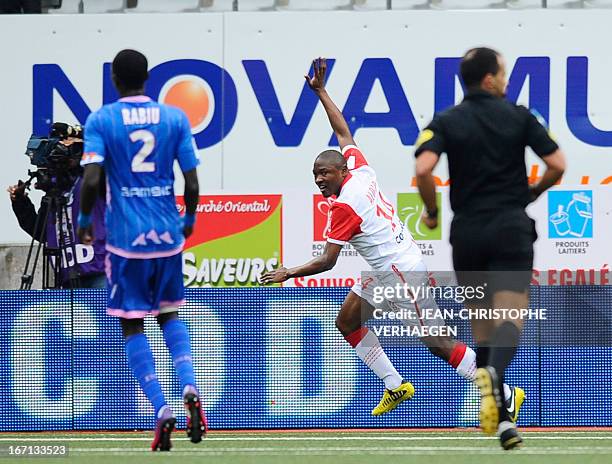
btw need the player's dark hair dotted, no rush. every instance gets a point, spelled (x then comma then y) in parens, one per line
(476, 64)
(130, 68)
(334, 157)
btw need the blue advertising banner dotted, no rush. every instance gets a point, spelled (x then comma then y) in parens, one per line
(272, 358)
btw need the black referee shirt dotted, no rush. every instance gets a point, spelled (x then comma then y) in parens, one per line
(484, 138)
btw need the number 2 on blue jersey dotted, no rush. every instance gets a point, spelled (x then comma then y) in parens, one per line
(138, 162)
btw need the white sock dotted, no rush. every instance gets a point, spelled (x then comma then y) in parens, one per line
(467, 365)
(507, 392)
(372, 354)
(467, 369)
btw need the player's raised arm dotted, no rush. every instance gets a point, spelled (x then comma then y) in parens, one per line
(335, 116)
(324, 262)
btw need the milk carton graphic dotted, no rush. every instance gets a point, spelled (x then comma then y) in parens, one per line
(560, 222)
(570, 214)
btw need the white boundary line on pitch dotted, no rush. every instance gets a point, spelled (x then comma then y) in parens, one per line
(581, 450)
(297, 434)
(358, 438)
(348, 453)
(358, 448)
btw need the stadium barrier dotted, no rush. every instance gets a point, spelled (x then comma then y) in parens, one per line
(272, 358)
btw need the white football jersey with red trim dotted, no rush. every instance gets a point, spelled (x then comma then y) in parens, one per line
(365, 218)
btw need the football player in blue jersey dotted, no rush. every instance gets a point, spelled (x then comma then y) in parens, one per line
(134, 143)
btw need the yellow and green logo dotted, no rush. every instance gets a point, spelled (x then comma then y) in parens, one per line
(236, 238)
(410, 208)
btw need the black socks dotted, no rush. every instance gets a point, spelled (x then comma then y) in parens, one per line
(482, 355)
(504, 344)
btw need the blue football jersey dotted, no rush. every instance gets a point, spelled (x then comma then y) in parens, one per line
(137, 141)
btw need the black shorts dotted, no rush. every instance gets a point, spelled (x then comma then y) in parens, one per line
(496, 248)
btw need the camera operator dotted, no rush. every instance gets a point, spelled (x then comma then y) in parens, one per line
(65, 176)
(20, 6)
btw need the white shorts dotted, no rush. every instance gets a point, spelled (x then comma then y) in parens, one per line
(417, 305)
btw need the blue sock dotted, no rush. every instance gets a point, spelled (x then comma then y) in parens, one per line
(177, 341)
(141, 361)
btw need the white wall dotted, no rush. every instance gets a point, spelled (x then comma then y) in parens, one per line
(248, 160)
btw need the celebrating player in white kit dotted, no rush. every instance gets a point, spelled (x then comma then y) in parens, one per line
(362, 216)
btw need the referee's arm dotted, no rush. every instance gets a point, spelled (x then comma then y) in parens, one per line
(541, 142)
(429, 146)
(555, 167)
(425, 164)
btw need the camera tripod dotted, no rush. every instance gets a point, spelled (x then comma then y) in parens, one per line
(54, 205)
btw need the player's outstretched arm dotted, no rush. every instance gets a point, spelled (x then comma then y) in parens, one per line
(322, 263)
(92, 176)
(335, 116)
(192, 193)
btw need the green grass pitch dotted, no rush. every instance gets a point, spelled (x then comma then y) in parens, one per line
(333, 447)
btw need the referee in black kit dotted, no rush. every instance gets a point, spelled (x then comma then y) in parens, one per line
(484, 138)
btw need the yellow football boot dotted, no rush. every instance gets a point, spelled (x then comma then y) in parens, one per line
(392, 398)
(490, 400)
(513, 405)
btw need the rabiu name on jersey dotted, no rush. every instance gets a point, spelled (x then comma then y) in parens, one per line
(139, 116)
